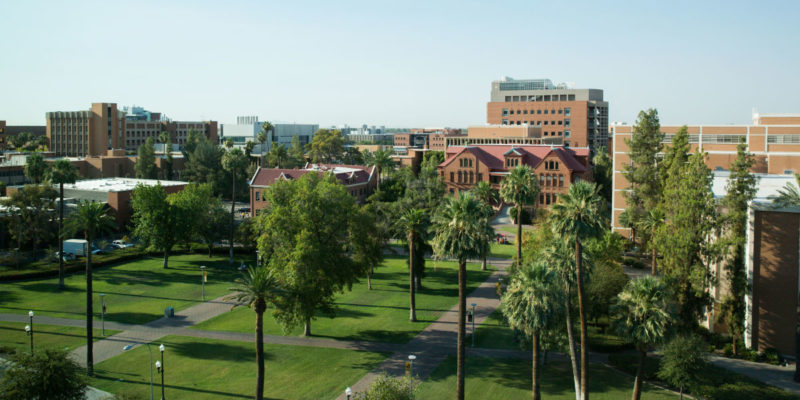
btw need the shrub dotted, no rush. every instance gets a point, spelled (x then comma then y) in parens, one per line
(49, 374)
(772, 356)
(728, 350)
(684, 360)
(390, 388)
(633, 263)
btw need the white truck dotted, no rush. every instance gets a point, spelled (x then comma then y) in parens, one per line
(76, 247)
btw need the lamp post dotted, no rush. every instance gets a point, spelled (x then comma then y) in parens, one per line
(130, 346)
(161, 369)
(103, 312)
(411, 359)
(203, 281)
(348, 392)
(473, 324)
(29, 329)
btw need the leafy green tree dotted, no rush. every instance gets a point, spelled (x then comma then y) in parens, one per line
(212, 224)
(190, 207)
(683, 362)
(326, 146)
(368, 237)
(35, 168)
(263, 137)
(414, 222)
(193, 138)
(42, 142)
(165, 138)
(387, 387)
(532, 304)
(278, 156)
(642, 315)
(19, 140)
(146, 160)
(248, 148)
(60, 173)
(204, 164)
(31, 215)
(458, 235)
(650, 222)
(520, 188)
(689, 220)
(382, 160)
(603, 174)
(352, 156)
(168, 166)
(235, 162)
(156, 221)
(607, 278)
(307, 247)
(228, 143)
(51, 374)
(643, 172)
(741, 189)
(297, 153)
(256, 289)
(576, 217)
(93, 219)
(629, 219)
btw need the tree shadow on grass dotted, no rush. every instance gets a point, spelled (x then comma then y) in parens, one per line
(168, 387)
(45, 287)
(216, 351)
(374, 335)
(133, 318)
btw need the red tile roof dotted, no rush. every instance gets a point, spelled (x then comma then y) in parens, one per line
(346, 174)
(493, 156)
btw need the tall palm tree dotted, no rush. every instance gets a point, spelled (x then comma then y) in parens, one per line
(628, 220)
(649, 223)
(532, 303)
(382, 160)
(520, 188)
(256, 289)
(278, 155)
(93, 219)
(263, 136)
(60, 173)
(414, 222)
(164, 137)
(643, 315)
(488, 196)
(234, 161)
(576, 217)
(457, 230)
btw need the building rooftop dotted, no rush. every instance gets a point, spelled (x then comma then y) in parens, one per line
(346, 174)
(768, 185)
(118, 184)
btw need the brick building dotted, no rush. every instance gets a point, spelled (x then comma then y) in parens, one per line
(579, 116)
(90, 132)
(555, 166)
(137, 132)
(360, 181)
(425, 139)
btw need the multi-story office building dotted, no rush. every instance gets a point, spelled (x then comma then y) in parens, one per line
(84, 133)
(141, 124)
(579, 116)
(502, 134)
(774, 140)
(247, 128)
(425, 138)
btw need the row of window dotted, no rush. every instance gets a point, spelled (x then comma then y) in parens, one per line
(464, 162)
(547, 198)
(551, 165)
(542, 97)
(550, 180)
(783, 139)
(566, 111)
(512, 162)
(465, 177)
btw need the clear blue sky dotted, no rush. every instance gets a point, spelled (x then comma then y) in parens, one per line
(400, 63)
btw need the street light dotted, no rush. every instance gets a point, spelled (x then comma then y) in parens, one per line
(348, 392)
(473, 324)
(161, 369)
(29, 329)
(203, 281)
(103, 312)
(130, 346)
(411, 359)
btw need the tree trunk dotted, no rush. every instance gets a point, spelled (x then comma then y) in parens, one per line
(797, 342)
(369, 279)
(519, 235)
(233, 204)
(166, 258)
(210, 247)
(307, 327)
(89, 311)
(536, 392)
(483, 262)
(653, 261)
(260, 354)
(572, 354)
(411, 284)
(637, 383)
(378, 181)
(61, 239)
(582, 316)
(462, 309)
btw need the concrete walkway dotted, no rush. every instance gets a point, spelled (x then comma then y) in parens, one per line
(773, 375)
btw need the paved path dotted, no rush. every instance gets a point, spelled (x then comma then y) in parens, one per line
(773, 375)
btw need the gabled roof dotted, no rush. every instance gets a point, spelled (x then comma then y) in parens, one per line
(493, 156)
(346, 174)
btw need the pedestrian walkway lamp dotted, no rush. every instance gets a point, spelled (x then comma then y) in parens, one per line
(29, 329)
(473, 324)
(411, 359)
(203, 281)
(348, 392)
(103, 312)
(161, 369)
(130, 346)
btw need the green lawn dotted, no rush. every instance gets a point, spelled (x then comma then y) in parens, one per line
(14, 339)
(213, 369)
(136, 291)
(505, 379)
(503, 250)
(494, 333)
(380, 314)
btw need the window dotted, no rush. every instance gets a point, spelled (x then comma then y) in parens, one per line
(459, 176)
(545, 122)
(559, 122)
(541, 198)
(538, 111)
(505, 112)
(566, 133)
(452, 176)
(258, 195)
(545, 112)
(525, 111)
(559, 111)
(480, 177)
(566, 122)
(471, 177)
(561, 181)
(505, 122)
(547, 198)
(567, 111)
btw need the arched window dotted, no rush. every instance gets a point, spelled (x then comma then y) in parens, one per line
(561, 180)
(471, 177)
(459, 176)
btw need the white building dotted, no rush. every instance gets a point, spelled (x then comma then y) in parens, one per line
(247, 128)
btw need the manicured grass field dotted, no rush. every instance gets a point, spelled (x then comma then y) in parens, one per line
(213, 369)
(14, 338)
(505, 379)
(494, 333)
(503, 250)
(380, 314)
(136, 291)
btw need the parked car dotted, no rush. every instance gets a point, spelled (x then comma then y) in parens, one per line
(120, 244)
(67, 256)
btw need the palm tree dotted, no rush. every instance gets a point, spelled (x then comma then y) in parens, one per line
(652, 221)
(164, 137)
(257, 288)
(60, 173)
(788, 196)
(488, 196)
(532, 304)
(458, 235)
(577, 217)
(642, 314)
(382, 160)
(233, 161)
(263, 136)
(414, 223)
(628, 220)
(520, 188)
(278, 155)
(93, 219)
(248, 148)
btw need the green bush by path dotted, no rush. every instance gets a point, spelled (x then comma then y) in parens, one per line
(136, 291)
(14, 339)
(508, 379)
(214, 369)
(380, 314)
